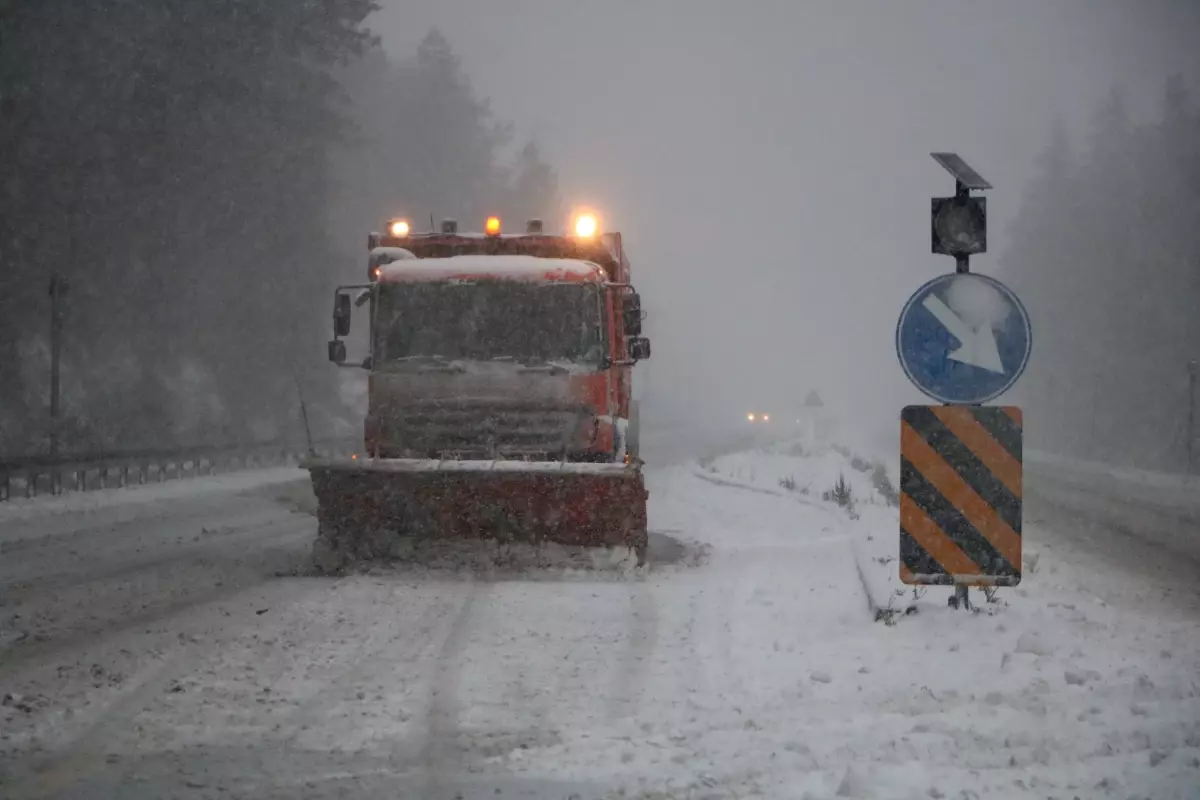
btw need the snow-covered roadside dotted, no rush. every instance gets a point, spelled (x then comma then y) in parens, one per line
(1138, 534)
(760, 673)
(807, 474)
(1047, 690)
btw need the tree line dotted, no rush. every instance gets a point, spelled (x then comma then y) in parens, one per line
(1106, 255)
(201, 175)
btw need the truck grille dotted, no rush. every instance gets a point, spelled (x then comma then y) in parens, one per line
(456, 430)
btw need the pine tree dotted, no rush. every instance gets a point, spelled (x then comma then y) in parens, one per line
(168, 151)
(175, 161)
(534, 192)
(1106, 253)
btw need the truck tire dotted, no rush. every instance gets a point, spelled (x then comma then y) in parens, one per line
(633, 431)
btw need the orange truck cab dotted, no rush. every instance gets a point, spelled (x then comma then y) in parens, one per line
(498, 346)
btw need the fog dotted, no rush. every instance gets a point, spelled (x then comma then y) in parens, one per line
(769, 169)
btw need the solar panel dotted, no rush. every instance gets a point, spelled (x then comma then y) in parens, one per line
(961, 171)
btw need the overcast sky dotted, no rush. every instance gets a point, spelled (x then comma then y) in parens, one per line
(769, 161)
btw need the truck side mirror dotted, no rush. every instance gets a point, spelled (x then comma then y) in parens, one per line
(633, 314)
(639, 348)
(341, 315)
(337, 351)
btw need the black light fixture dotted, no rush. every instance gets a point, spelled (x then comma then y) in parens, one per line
(958, 225)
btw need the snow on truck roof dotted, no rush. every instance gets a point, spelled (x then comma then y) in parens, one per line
(502, 267)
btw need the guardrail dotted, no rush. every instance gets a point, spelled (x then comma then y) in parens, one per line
(29, 476)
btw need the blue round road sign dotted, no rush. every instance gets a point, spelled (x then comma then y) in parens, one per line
(963, 338)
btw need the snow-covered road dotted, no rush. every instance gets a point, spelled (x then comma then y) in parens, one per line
(158, 643)
(1140, 542)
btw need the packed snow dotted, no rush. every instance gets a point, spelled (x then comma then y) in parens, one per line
(529, 268)
(386, 255)
(762, 669)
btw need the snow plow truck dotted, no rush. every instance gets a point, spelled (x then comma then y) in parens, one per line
(499, 402)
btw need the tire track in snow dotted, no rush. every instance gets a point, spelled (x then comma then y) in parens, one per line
(248, 572)
(107, 568)
(352, 667)
(709, 622)
(759, 579)
(439, 752)
(66, 529)
(83, 754)
(692, 631)
(113, 551)
(874, 603)
(630, 676)
(708, 632)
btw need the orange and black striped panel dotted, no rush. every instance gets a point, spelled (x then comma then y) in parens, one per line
(960, 495)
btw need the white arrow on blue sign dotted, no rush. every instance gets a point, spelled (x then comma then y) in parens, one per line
(963, 338)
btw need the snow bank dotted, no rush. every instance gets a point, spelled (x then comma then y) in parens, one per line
(806, 472)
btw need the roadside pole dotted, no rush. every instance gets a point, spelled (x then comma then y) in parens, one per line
(1191, 417)
(1094, 433)
(58, 292)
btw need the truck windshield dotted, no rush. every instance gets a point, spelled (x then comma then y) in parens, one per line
(489, 319)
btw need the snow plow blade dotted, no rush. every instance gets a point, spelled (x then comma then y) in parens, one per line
(372, 511)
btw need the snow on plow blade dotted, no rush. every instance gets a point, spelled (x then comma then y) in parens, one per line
(370, 510)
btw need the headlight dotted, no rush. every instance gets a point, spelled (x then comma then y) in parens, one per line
(586, 226)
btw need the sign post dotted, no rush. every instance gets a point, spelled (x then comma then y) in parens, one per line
(963, 339)
(1191, 417)
(58, 291)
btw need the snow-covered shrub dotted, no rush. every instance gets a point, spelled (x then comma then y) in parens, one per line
(883, 485)
(841, 493)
